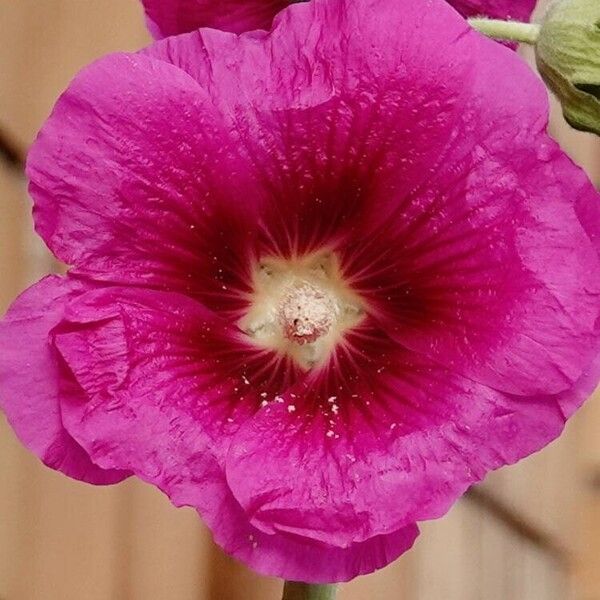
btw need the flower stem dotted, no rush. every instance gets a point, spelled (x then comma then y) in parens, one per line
(294, 590)
(511, 31)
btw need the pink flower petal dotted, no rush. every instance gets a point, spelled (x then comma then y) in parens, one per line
(124, 173)
(31, 377)
(380, 438)
(172, 17)
(516, 10)
(296, 558)
(572, 399)
(147, 351)
(326, 127)
(489, 273)
(169, 383)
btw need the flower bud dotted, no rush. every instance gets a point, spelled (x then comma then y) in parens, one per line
(568, 58)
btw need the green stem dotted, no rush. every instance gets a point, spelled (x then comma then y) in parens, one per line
(294, 590)
(511, 31)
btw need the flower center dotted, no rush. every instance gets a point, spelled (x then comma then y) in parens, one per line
(301, 307)
(306, 312)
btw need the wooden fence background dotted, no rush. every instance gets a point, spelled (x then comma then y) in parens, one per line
(531, 532)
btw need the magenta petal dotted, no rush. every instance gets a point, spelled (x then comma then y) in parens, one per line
(297, 558)
(336, 131)
(169, 383)
(161, 371)
(493, 272)
(583, 388)
(135, 181)
(328, 126)
(380, 438)
(516, 10)
(30, 380)
(171, 17)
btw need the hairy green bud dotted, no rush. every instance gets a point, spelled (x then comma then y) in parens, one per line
(568, 58)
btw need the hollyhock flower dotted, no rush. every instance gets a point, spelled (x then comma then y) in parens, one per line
(322, 279)
(172, 17)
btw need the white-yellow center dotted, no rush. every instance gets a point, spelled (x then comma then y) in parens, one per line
(301, 307)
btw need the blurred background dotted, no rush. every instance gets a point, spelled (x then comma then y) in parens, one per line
(530, 532)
